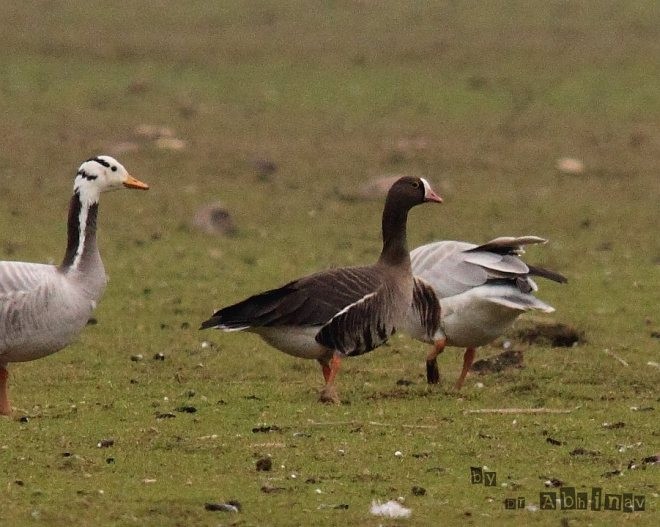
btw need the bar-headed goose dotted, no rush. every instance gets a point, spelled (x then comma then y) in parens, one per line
(43, 307)
(339, 312)
(467, 295)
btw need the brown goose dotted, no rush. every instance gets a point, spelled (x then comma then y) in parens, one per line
(44, 307)
(339, 312)
(467, 295)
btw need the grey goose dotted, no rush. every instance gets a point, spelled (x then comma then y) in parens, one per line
(44, 307)
(343, 311)
(467, 295)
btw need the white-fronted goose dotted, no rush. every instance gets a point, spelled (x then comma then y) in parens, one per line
(339, 312)
(467, 295)
(43, 307)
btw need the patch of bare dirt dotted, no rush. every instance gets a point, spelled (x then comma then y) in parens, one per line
(554, 334)
(214, 219)
(497, 363)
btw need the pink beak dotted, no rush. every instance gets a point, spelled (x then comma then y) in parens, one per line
(429, 194)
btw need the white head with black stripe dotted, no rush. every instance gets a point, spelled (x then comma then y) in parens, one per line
(101, 174)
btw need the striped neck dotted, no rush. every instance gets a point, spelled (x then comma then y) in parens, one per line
(81, 233)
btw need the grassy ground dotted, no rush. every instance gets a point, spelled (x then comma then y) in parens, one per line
(480, 98)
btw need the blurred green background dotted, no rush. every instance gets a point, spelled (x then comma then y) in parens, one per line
(482, 98)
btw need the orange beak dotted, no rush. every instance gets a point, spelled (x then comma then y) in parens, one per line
(131, 182)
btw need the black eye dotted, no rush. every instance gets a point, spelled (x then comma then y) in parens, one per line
(114, 168)
(415, 184)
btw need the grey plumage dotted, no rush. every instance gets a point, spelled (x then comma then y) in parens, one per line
(44, 307)
(466, 294)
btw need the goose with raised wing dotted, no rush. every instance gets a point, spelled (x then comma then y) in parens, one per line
(340, 312)
(44, 307)
(467, 295)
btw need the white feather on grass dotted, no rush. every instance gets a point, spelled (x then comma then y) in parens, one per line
(389, 509)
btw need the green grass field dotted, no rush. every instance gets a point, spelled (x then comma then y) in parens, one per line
(480, 98)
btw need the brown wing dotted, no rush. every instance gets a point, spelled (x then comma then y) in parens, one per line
(426, 307)
(309, 301)
(359, 327)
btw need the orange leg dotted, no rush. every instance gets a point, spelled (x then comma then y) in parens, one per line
(432, 372)
(468, 359)
(330, 370)
(5, 407)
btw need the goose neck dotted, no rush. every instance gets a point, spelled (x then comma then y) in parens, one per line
(81, 250)
(395, 247)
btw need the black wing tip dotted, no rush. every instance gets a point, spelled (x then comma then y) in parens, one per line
(217, 322)
(210, 323)
(213, 322)
(547, 273)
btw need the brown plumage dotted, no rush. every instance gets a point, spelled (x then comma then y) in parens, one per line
(339, 312)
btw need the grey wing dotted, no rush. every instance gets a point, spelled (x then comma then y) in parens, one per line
(360, 327)
(510, 244)
(455, 267)
(497, 265)
(500, 255)
(442, 264)
(25, 290)
(18, 278)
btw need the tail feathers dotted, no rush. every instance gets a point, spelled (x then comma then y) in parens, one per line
(547, 273)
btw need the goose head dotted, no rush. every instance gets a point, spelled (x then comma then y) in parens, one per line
(404, 194)
(101, 174)
(408, 191)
